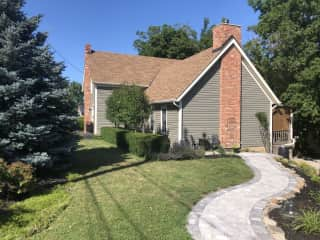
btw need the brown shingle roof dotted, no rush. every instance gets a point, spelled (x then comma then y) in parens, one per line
(172, 80)
(112, 68)
(167, 78)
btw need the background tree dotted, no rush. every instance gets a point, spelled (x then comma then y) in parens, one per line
(76, 94)
(35, 112)
(167, 41)
(286, 51)
(205, 40)
(177, 42)
(128, 105)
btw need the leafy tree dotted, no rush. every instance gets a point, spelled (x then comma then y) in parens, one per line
(205, 40)
(287, 52)
(128, 105)
(167, 41)
(177, 42)
(76, 94)
(35, 112)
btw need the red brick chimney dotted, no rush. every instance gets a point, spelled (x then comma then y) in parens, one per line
(87, 89)
(230, 85)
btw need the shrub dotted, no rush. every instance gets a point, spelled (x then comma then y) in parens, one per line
(315, 195)
(221, 150)
(307, 170)
(80, 122)
(308, 222)
(181, 151)
(263, 120)
(4, 176)
(21, 178)
(146, 144)
(141, 144)
(15, 179)
(115, 136)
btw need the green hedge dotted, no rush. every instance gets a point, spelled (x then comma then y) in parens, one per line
(141, 144)
(80, 123)
(115, 136)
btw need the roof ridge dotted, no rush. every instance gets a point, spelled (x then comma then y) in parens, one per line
(138, 56)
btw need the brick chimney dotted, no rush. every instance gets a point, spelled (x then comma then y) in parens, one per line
(87, 89)
(230, 85)
(222, 32)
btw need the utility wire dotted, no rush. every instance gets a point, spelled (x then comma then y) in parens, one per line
(66, 60)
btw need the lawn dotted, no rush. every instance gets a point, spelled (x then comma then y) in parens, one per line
(119, 196)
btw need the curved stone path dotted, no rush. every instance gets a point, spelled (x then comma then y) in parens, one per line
(237, 212)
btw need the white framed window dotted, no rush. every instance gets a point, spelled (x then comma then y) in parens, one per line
(164, 120)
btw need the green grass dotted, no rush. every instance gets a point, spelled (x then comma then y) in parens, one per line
(120, 196)
(32, 215)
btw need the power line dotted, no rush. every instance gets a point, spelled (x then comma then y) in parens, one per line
(66, 60)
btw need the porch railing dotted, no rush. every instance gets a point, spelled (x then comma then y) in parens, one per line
(280, 137)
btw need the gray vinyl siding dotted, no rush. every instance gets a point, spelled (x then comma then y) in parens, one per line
(253, 100)
(156, 118)
(201, 107)
(102, 95)
(172, 120)
(172, 123)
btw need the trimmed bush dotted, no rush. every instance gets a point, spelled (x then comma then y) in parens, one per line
(115, 136)
(140, 144)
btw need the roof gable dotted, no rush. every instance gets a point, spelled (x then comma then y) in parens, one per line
(112, 68)
(175, 78)
(169, 86)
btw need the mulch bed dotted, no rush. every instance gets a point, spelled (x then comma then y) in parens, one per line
(284, 216)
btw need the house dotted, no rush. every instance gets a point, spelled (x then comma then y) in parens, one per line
(217, 92)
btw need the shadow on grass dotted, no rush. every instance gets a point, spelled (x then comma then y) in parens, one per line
(89, 163)
(98, 213)
(163, 188)
(88, 160)
(11, 215)
(122, 210)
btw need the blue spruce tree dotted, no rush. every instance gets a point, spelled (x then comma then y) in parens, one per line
(36, 114)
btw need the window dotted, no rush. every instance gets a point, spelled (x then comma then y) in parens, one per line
(164, 120)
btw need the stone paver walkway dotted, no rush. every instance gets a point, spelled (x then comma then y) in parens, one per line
(237, 212)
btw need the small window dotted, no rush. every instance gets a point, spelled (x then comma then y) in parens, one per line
(164, 120)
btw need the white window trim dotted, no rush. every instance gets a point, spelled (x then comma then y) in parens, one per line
(161, 122)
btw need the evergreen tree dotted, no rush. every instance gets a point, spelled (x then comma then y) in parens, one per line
(287, 53)
(35, 114)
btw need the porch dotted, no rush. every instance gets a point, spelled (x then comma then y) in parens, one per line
(282, 132)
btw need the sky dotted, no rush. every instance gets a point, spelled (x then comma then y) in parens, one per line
(111, 25)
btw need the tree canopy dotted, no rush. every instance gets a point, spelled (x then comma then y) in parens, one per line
(128, 105)
(35, 112)
(286, 51)
(177, 42)
(76, 94)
